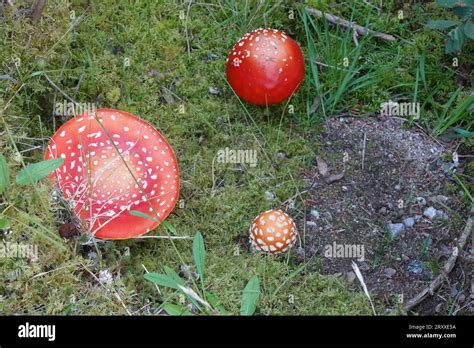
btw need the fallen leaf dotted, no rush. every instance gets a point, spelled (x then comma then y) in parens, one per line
(333, 178)
(322, 166)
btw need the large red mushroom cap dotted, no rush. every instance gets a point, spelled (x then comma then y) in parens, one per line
(122, 163)
(265, 67)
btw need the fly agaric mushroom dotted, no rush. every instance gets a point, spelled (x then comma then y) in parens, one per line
(120, 164)
(265, 67)
(273, 231)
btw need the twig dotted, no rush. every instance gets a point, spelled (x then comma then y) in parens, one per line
(350, 25)
(331, 66)
(37, 10)
(371, 5)
(445, 270)
(186, 27)
(363, 149)
(59, 89)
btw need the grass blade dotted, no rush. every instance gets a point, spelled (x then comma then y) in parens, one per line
(162, 280)
(36, 171)
(199, 253)
(141, 214)
(362, 283)
(174, 309)
(4, 174)
(250, 297)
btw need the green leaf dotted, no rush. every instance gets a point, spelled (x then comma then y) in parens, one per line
(36, 171)
(174, 309)
(469, 30)
(166, 224)
(454, 41)
(250, 296)
(441, 24)
(199, 253)
(141, 214)
(4, 223)
(447, 3)
(169, 227)
(4, 174)
(464, 11)
(214, 302)
(162, 280)
(172, 274)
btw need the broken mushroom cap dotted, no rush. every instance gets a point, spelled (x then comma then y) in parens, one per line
(273, 231)
(265, 67)
(119, 164)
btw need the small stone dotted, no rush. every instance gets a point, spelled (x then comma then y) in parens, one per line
(415, 267)
(105, 278)
(405, 257)
(389, 272)
(311, 223)
(409, 222)
(421, 201)
(300, 253)
(350, 277)
(269, 196)
(441, 215)
(315, 213)
(398, 187)
(430, 213)
(281, 155)
(396, 229)
(344, 188)
(328, 216)
(383, 210)
(214, 90)
(438, 199)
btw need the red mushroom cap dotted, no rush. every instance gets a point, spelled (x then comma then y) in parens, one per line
(265, 67)
(96, 176)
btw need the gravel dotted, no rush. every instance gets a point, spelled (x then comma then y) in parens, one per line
(430, 213)
(415, 267)
(409, 222)
(396, 229)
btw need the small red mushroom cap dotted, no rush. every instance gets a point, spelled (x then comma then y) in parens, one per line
(265, 67)
(96, 176)
(273, 231)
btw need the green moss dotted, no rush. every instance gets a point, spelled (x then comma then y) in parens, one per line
(143, 66)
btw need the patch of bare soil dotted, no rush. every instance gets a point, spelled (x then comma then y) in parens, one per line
(377, 196)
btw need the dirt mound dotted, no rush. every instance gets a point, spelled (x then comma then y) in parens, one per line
(377, 197)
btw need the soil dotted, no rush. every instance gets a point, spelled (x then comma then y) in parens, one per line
(390, 173)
